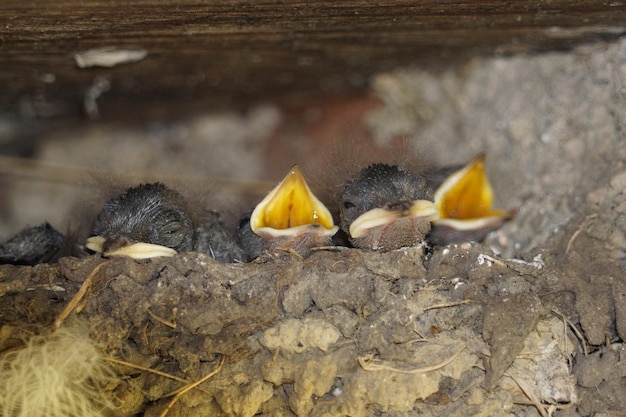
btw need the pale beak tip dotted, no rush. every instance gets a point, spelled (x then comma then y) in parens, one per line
(138, 250)
(95, 243)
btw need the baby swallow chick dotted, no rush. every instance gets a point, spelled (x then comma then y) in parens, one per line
(386, 207)
(214, 238)
(465, 198)
(290, 217)
(146, 221)
(33, 245)
(151, 220)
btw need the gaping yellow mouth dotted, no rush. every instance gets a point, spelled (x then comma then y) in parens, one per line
(463, 202)
(465, 198)
(290, 209)
(139, 250)
(371, 219)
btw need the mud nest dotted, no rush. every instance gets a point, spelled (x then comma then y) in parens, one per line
(344, 332)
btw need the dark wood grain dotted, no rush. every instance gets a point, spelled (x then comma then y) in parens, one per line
(217, 54)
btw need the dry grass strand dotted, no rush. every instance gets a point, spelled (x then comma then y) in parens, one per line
(56, 375)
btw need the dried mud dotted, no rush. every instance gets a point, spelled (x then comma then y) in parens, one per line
(343, 332)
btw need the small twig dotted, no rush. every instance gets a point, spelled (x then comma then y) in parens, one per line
(292, 252)
(144, 334)
(153, 371)
(75, 301)
(9, 329)
(329, 248)
(494, 260)
(347, 342)
(367, 364)
(191, 386)
(463, 391)
(144, 368)
(551, 407)
(565, 334)
(528, 357)
(576, 332)
(49, 287)
(417, 332)
(161, 320)
(528, 393)
(577, 232)
(458, 303)
(85, 299)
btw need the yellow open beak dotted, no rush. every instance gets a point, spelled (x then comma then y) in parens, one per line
(381, 216)
(138, 250)
(291, 208)
(464, 199)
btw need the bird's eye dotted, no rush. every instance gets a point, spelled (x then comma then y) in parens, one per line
(171, 228)
(348, 205)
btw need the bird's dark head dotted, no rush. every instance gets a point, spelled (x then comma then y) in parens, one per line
(386, 207)
(150, 214)
(381, 186)
(33, 245)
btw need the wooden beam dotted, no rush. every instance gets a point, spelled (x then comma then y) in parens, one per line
(222, 54)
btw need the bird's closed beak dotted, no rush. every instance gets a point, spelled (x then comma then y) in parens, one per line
(419, 209)
(139, 250)
(290, 209)
(465, 198)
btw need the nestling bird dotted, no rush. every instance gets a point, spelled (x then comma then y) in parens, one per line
(33, 245)
(213, 237)
(465, 199)
(386, 207)
(152, 220)
(290, 217)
